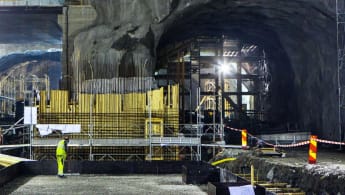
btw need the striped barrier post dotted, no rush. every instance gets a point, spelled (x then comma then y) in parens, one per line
(312, 149)
(244, 139)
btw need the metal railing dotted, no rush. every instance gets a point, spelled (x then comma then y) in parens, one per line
(177, 140)
(41, 3)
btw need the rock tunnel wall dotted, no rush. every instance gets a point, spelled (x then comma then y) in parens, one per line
(299, 37)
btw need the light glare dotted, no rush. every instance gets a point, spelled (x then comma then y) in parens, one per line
(228, 67)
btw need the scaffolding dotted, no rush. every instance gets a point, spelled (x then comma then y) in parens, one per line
(340, 14)
(235, 94)
(161, 118)
(210, 96)
(114, 126)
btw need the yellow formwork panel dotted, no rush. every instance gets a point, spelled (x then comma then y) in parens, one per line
(156, 127)
(58, 101)
(112, 103)
(156, 99)
(175, 94)
(157, 153)
(117, 115)
(85, 103)
(107, 103)
(43, 102)
(99, 101)
(134, 102)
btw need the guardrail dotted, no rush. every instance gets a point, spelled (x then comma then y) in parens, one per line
(41, 3)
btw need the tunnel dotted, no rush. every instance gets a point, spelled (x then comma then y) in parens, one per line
(156, 82)
(294, 38)
(298, 38)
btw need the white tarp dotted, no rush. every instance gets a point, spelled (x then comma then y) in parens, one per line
(242, 190)
(30, 115)
(46, 129)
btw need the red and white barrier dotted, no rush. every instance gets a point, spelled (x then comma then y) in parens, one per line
(287, 145)
(244, 139)
(312, 149)
(330, 142)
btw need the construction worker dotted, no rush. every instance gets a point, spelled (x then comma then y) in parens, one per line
(61, 154)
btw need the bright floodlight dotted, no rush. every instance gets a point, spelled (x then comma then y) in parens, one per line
(228, 67)
(224, 68)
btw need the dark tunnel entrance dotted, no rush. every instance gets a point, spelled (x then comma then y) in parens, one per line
(209, 35)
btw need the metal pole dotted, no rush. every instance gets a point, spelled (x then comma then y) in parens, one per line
(222, 107)
(339, 69)
(150, 113)
(91, 117)
(252, 182)
(150, 121)
(199, 126)
(31, 125)
(31, 133)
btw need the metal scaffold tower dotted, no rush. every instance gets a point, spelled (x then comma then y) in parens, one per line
(340, 13)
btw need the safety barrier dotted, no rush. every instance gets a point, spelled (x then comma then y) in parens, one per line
(302, 143)
(244, 138)
(312, 143)
(312, 149)
(330, 142)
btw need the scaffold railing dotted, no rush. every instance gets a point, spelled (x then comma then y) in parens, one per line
(45, 3)
(171, 144)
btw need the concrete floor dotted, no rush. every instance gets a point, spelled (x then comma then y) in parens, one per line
(102, 184)
(327, 163)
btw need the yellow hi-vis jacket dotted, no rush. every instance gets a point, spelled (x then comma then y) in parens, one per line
(60, 149)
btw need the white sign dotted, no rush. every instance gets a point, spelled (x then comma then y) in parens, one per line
(242, 190)
(30, 115)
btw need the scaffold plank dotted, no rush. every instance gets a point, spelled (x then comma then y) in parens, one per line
(181, 141)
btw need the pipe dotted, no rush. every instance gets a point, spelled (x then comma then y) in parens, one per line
(222, 161)
(252, 175)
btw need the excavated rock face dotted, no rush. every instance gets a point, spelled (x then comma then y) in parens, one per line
(325, 178)
(299, 37)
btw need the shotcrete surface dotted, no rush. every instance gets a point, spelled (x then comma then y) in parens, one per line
(102, 184)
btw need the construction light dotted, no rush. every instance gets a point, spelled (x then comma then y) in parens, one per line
(224, 68)
(229, 67)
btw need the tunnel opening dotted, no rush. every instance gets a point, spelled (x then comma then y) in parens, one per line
(193, 55)
(30, 62)
(280, 92)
